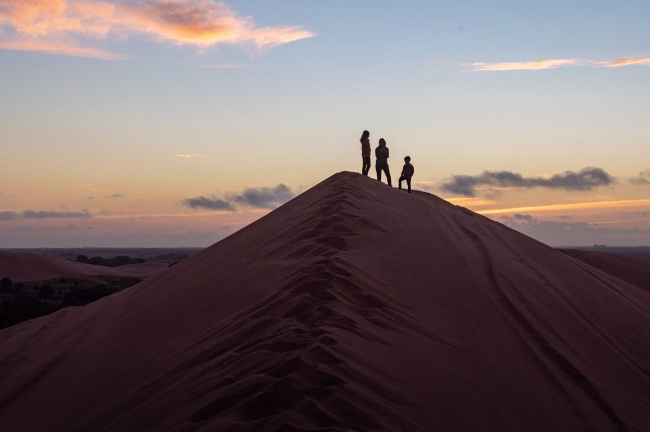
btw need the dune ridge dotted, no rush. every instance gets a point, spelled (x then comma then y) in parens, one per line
(27, 267)
(352, 307)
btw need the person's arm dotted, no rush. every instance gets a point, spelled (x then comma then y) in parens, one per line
(386, 152)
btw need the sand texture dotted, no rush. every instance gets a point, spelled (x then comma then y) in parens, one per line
(630, 270)
(25, 267)
(352, 307)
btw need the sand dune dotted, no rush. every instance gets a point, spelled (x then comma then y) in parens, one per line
(630, 270)
(352, 307)
(24, 267)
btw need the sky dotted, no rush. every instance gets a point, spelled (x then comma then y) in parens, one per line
(166, 123)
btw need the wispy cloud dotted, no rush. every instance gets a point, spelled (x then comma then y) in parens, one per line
(584, 180)
(643, 178)
(534, 65)
(69, 27)
(183, 155)
(202, 202)
(227, 66)
(31, 214)
(262, 198)
(117, 195)
(642, 61)
(97, 186)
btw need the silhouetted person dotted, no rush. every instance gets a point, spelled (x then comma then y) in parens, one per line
(381, 164)
(365, 152)
(407, 173)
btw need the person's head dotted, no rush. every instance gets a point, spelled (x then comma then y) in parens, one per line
(382, 142)
(365, 135)
(407, 159)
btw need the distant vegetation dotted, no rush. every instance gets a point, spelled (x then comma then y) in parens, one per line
(20, 302)
(119, 260)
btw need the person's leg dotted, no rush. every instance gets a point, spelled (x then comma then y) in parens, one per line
(378, 172)
(408, 182)
(366, 165)
(387, 171)
(400, 181)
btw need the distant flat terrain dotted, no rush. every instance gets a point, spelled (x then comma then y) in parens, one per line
(641, 253)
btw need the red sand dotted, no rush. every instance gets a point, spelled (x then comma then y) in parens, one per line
(630, 270)
(25, 267)
(352, 307)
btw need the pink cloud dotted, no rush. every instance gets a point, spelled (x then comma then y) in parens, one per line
(64, 26)
(626, 62)
(535, 65)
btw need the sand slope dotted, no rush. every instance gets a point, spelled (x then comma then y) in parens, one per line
(630, 270)
(352, 307)
(24, 267)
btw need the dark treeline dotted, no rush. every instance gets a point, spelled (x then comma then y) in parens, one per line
(119, 260)
(23, 301)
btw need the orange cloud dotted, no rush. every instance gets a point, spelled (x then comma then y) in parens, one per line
(626, 62)
(61, 25)
(536, 65)
(57, 47)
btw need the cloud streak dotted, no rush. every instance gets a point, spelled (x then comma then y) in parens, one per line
(643, 178)
(71, 27)
(184, 155)
(31, 214)
(556, 63)
(640, 61)
(534, 65)
(261, 198)
(586, 179)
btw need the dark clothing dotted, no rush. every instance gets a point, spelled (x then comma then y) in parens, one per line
(381, 153)
(365, 147)
(407, 173)
(381, 164)
(366, 165)
(384, 168)
(408, 170)
(408, 181)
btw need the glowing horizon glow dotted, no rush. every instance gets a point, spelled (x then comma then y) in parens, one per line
(574, 206)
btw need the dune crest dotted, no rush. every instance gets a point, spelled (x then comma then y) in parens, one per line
(352, 307)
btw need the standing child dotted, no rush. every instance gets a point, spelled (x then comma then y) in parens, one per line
(407, 173)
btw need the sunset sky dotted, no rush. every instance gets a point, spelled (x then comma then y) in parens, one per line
(177, 122)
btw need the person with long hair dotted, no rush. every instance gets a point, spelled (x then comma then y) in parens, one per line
(381, 164)
(365, 152)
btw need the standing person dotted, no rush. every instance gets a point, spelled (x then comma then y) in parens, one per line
(365, 152)
(381, 164)
(407, 173)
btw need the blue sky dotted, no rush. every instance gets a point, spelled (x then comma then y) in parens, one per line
(284, 101)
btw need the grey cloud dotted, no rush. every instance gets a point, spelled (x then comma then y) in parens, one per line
(262, 197)
(208, 203)
(557, 233)
(7, 216)
(643, 178)
(519, 216)
(117, 195)
(30, 214)
(635, 214)
(586, 179)
(268, 198)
